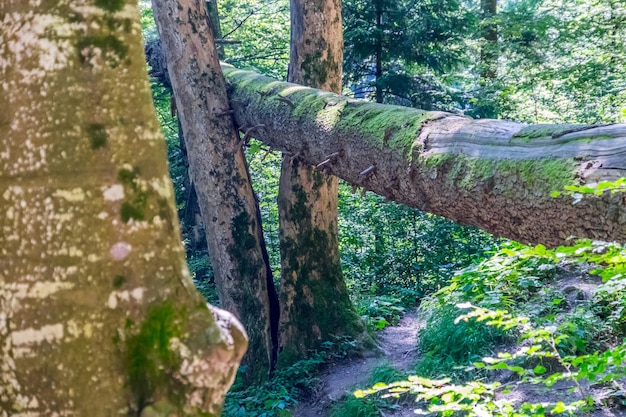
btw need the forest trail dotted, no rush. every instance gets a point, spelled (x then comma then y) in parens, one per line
(397, 348)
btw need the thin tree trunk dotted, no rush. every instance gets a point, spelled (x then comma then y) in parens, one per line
(98, 314)
(315, 305)
(218, 169)
(489, 51)
(379, 53)
(216, 28)
(493, 174)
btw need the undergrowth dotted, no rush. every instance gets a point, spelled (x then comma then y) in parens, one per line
(535, 296)
(288, 385)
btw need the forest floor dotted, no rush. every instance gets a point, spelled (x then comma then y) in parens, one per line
(397, 349)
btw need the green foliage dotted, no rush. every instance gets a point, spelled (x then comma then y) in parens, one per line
(474, 398)
(355, 406)
(390, 249)
(413, 41)
(565, 338)
(274, 398)
(262, 28)
(449, 345)
(380, 312)
(560, 61)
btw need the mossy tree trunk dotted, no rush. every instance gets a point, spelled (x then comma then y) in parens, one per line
(98, 314)
(219, 173)
(494, 174)
(314, 300)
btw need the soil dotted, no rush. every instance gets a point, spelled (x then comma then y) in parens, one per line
(397, 348)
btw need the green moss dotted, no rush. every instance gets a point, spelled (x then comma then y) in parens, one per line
(98, 135)
(299, 209)
(128, 176)
(435, 160)
(542, 175)
(132, 211)
(554, 131)
(151, 363)
(314, 67)
(329, 312)
(311, 104)
(393, 126)
(111, 5)
(118, 281)
(112, 48)
(248, 268)
(136, 203)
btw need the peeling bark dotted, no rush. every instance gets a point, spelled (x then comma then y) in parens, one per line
(95, 296)
(218, 170)
(315, 305)
(496, 175)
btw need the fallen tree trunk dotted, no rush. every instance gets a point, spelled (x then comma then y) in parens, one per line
(493, 174)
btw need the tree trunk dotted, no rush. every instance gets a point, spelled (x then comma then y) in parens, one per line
(219, 173)
(496, 175)
(216, 28)
(489, 50)
(378, 71)
(315, 305)
(98, 314)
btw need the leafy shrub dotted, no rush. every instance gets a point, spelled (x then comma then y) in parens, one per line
(380, 312)
(274, 398)
(371, 406)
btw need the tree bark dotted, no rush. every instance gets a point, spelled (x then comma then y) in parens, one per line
(493, 174)
(315, 305)
(219, 173)
(98, 314)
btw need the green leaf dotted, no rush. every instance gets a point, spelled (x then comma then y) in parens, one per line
(539, 370)
(559, 407)
(359, 393)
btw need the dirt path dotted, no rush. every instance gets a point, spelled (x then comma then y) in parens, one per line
(397, 349)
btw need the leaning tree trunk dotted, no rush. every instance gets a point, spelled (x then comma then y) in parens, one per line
(98, 314)
(493, 174)
(315, 305)
(219, 173)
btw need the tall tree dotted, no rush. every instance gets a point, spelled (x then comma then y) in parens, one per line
(98, 315)
(494, 174)
(489, 84)
(219, 172)
(489, 53)
(390, 42)
(315, 305)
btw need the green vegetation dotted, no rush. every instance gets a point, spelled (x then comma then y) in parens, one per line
(568, 326)
(558, 62)
(152, 362)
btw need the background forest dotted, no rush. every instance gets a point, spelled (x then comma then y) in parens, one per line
(533, 61)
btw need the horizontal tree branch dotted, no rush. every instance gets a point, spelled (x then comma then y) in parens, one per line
(493, 174)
